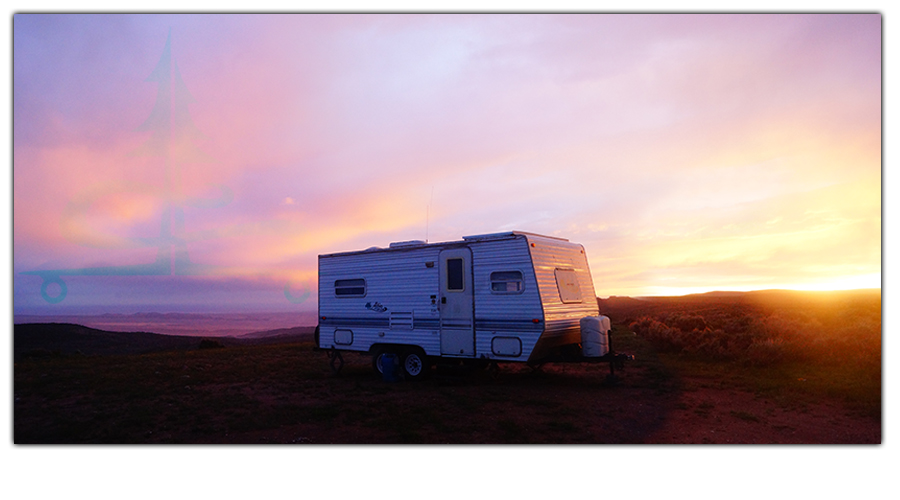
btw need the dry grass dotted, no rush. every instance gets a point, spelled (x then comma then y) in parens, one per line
(696, 368)
(829, 343)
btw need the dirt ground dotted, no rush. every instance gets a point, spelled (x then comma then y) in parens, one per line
(286, 393)
(566, 404)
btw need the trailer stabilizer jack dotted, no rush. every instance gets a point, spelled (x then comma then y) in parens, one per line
(336, 361)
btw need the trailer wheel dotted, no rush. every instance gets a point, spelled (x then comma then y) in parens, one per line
(415, 365)
(376, 360)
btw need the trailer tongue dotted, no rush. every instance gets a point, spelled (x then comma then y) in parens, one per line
(596, 347)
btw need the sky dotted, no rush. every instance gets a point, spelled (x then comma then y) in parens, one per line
(179, 163)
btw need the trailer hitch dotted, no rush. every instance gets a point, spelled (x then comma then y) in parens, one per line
(619, 360)
(616, 360)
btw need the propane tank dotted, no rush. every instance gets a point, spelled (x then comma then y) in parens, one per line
(594, 336)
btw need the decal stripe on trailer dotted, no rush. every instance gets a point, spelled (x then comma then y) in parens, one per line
(433, 324)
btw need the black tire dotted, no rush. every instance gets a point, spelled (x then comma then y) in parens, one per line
(376, 360)
(415, 364)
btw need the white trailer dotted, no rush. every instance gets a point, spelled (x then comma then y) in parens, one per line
(510, 296)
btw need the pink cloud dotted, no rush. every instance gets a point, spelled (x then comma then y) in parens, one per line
(585, 126)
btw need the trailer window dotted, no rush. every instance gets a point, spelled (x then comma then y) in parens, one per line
(506, 282)
(455, 274)
(567, 283)
(350, 288)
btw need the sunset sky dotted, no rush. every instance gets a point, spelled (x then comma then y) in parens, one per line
(687, 153)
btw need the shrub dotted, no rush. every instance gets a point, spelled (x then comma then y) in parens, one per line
(762, 340)
(688, 323)
(752, 342)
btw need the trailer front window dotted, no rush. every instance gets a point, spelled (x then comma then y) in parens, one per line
(567, 283)
(350, 288)
(506, 282)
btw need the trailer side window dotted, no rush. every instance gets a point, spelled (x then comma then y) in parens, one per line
(506, 282)
(455, 274)
(567, 283)
(350, 288)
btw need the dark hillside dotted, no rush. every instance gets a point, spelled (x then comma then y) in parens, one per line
(45, 339)
(63, 338)
(295, 334)
(767, 367)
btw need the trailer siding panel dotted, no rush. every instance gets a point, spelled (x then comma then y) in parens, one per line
(398, 282)
(561, 319)
(508, 315)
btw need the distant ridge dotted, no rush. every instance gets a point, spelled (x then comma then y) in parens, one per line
(720, 294)
(48, 339)
(756, 301)
(299, 332)
(179, 323)
(771, 291)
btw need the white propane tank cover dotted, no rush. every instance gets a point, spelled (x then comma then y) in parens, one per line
(606, 326)
(594, 340)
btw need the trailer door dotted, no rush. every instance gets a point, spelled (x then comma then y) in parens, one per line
(457, 303)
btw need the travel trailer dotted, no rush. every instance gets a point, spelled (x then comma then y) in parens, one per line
(511, 297)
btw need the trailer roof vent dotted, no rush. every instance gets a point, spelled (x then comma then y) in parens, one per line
(509, 234)
(492, 236)
(410, 243)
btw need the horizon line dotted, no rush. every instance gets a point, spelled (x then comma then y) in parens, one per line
(315, 313)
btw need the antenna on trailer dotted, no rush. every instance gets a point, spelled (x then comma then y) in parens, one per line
(428, 213)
